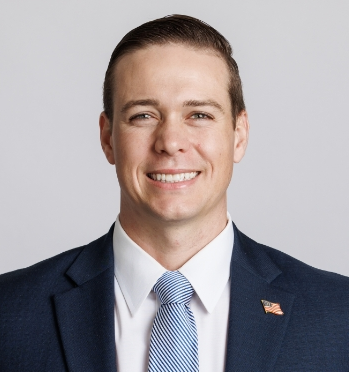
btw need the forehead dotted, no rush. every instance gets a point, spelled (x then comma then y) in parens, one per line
(171, 67)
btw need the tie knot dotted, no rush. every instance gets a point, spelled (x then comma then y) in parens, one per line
(173, 287)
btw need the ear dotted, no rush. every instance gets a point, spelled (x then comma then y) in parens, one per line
(106, 137)
(241, 136)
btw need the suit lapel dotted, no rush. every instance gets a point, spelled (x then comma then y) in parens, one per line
(254, 337)
(85, 314)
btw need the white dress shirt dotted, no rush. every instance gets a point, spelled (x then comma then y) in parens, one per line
(136, 304)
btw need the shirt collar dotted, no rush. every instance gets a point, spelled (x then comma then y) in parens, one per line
(137, 272)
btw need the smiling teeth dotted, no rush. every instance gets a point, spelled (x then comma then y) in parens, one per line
(172, 178)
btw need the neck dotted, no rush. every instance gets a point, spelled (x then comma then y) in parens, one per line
(171, 243)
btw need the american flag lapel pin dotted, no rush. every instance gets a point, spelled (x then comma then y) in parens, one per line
(271, 307)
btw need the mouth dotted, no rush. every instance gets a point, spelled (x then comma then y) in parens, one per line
(174, 177)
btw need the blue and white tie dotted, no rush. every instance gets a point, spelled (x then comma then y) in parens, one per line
(173, 343)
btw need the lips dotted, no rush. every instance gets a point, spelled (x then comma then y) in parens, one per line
(174, 177)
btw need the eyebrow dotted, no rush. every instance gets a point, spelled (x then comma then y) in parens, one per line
(140, 102)
(209, 102)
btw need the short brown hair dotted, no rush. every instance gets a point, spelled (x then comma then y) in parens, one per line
(178, 29)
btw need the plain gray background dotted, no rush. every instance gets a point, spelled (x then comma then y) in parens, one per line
(291, 189)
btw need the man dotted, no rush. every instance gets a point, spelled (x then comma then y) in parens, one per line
(174, 285)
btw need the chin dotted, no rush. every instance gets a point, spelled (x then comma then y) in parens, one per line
(175, 213)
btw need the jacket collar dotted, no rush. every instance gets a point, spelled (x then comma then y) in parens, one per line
(85, 314)
(254, 337)
(252, 257)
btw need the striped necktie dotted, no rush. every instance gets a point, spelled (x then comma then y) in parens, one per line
(173, 343)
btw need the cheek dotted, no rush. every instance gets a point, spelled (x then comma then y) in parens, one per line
(217, 149)
(130, 150)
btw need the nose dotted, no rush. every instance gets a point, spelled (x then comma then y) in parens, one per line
(171, 137)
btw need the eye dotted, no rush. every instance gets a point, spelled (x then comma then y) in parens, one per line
(200, 115)
(140, 117)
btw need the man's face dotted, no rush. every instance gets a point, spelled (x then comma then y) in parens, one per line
(173, 140)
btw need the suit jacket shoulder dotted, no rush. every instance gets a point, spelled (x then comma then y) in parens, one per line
(305, 278)
(32, 320)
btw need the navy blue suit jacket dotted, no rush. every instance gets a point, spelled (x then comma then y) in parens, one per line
(58, 315)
